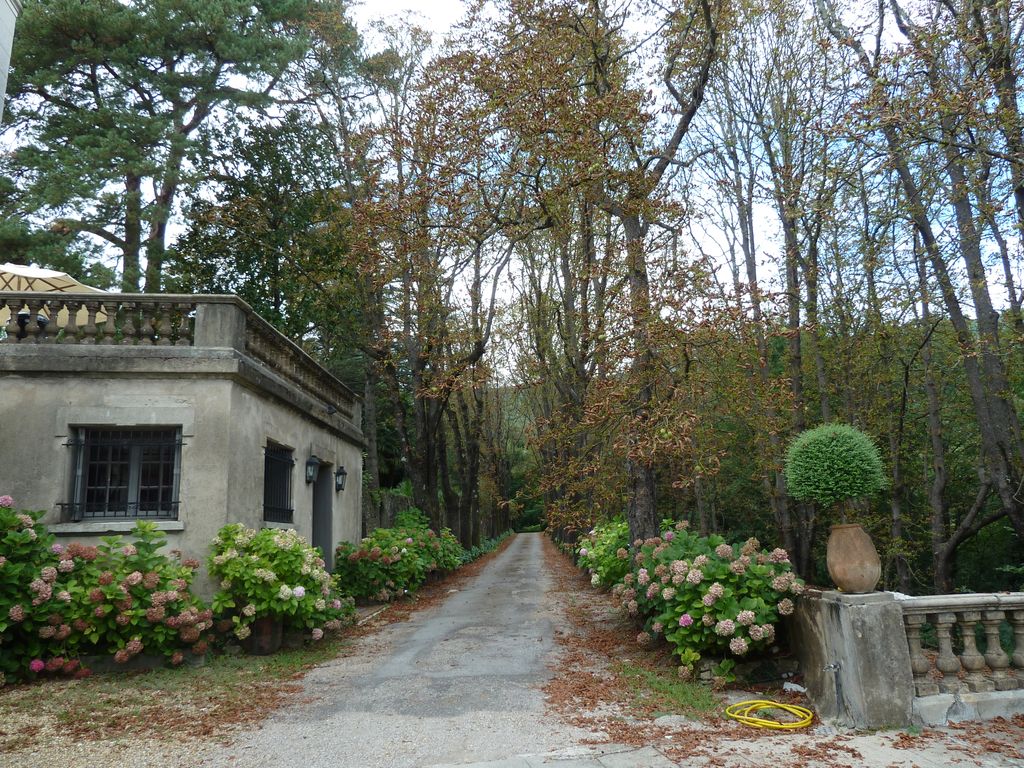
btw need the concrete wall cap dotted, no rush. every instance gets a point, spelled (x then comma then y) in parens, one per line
(864, 598)
(105, 527)
(277, 526)
(963, 602)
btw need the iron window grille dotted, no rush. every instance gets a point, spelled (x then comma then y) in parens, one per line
(278, 462)
(131, 473)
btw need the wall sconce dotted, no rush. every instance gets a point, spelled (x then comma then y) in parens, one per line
(312, 468)
(339, 479)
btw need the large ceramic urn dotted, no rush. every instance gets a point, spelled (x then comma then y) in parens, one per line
(852, 559)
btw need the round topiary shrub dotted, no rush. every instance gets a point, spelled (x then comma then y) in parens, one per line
(833, 463)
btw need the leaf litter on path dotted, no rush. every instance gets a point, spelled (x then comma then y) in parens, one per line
(590, 688)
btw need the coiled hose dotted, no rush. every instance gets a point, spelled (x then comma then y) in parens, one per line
(748, 713)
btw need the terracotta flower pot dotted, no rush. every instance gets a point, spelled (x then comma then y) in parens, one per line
(265, 637)
(852, 559)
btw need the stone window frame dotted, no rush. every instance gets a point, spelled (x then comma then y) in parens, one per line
(136, 439)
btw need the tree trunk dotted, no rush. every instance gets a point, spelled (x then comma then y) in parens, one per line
(942, 579)
(998, 457)
(371, 466)
(774, 482)
(705, 522)
(814, 331)
(1000, 426)
(642, 511)
(896, 508)
(130, 273)
(457, 512)
(997, 418)
(450, 513)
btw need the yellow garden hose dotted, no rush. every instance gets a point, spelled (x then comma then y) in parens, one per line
(747, 712)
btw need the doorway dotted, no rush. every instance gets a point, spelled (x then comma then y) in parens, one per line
(323, 513)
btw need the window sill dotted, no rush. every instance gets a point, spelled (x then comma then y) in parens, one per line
(278, 526)
(104, 527)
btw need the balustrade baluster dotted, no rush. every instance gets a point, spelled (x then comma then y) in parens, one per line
(163, 325)
(146, 329)
(89, 330)
(12, 328)
(184, 326)
(32, 329)
(128, 330)
(919, 663)
(110, 324)
(71, 326)
(1016, 619)
(947, 662)
(147, 324)
(971, 657)
(996, 657)
(48, 333)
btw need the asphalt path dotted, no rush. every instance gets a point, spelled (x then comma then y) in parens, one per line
(457, 683)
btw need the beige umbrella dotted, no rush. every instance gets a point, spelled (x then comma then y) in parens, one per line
(22, 279)
(15, 277)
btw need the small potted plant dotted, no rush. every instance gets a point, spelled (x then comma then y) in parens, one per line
(832, 465)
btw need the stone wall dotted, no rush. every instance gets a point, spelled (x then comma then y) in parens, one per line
(854, 657)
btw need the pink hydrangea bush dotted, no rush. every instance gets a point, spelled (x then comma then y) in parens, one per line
(60, 602)
(707, 596)
(274, 573)
(129, 597)
(28, 578)
(392, 562)
(604, 552)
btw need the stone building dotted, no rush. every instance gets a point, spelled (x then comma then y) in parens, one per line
(190, 411)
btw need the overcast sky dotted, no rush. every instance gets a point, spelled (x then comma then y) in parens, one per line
(435, 15)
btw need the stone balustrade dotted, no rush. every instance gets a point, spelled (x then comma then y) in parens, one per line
(90, 318)
(171, 320)
(267, 345)
(865, 663)
(956, 619)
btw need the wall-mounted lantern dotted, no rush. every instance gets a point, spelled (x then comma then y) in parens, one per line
(312, 468)
(339, 479)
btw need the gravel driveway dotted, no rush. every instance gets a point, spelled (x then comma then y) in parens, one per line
(457, 683)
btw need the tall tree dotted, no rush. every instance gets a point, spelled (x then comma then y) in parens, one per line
(920, 81)
(111, 105)
(263, 236)
(437, 225)
(623, 152)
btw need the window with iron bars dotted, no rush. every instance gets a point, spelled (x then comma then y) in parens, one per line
(125, 473)
(278, 462)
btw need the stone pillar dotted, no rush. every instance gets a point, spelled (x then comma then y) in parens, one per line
(220, 325)
(854, 656)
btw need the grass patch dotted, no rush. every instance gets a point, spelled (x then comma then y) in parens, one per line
(661, 692)
(164, 703)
